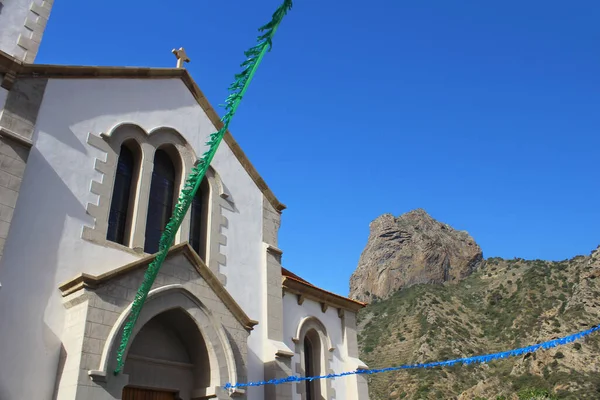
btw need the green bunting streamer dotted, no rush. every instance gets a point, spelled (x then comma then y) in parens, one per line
(238, 89)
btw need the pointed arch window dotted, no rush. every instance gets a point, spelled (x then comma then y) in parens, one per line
(199, 219)
(120, 215)
(161, 199)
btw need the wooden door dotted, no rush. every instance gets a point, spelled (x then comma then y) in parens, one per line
(146, 394)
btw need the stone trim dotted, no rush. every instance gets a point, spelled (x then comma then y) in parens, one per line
(147, 143)
(274, 251)
(284, 354)
(89, 282)
(34, 25)
(22, 140)
(307, 324)
(113, 339)
(217, 224)
(9, 64)
(8, 80)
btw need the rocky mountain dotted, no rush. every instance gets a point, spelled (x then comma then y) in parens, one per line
(412, 249)
(504, 304)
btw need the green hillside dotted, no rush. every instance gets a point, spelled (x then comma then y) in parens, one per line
(504, 305)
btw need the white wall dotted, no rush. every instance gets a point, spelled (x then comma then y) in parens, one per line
(45, 248)
(12, 23)
(293, 314)
(244, 254)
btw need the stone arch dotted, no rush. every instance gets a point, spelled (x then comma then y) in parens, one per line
(316, 324)
(168, 299)
(123, 132)
(169, 354)
(312, 328)
(165, 136)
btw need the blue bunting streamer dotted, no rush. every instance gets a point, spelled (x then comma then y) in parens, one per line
(465, 361)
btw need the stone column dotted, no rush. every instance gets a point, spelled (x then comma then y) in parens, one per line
(280, 366)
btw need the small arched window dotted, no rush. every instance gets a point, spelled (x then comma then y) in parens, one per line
(161, 199)
(120, 215)
(199, 219)
(312, 364)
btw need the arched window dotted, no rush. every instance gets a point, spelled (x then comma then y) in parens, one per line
(199, 219)
(312, 364)
(161, 201)
(119, 218)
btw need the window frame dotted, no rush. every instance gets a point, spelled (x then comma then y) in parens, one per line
(105, 147)
(134, 149)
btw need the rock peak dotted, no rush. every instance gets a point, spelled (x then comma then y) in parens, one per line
(419, 212)
(411, 249)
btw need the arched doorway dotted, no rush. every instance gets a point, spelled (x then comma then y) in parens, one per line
(168, 360)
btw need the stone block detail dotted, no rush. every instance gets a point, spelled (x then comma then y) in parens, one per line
(102, 189)
(33, 29)
(28, 44)
(42, 10)
(220, 199)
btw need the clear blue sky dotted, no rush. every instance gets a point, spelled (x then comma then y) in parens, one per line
(486, 114)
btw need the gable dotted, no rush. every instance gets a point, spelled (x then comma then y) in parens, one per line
(16, 69)
(182, 265)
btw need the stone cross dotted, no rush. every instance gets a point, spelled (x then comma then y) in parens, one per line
(181, 56)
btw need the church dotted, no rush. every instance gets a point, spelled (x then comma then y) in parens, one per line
(91, 163)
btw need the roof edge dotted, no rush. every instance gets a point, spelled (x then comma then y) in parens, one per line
(14, 68)
(303, 288)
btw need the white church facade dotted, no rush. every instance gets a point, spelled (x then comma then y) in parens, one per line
(91, 163)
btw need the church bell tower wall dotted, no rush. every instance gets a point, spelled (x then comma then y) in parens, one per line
(17, 124)
(22, 24)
